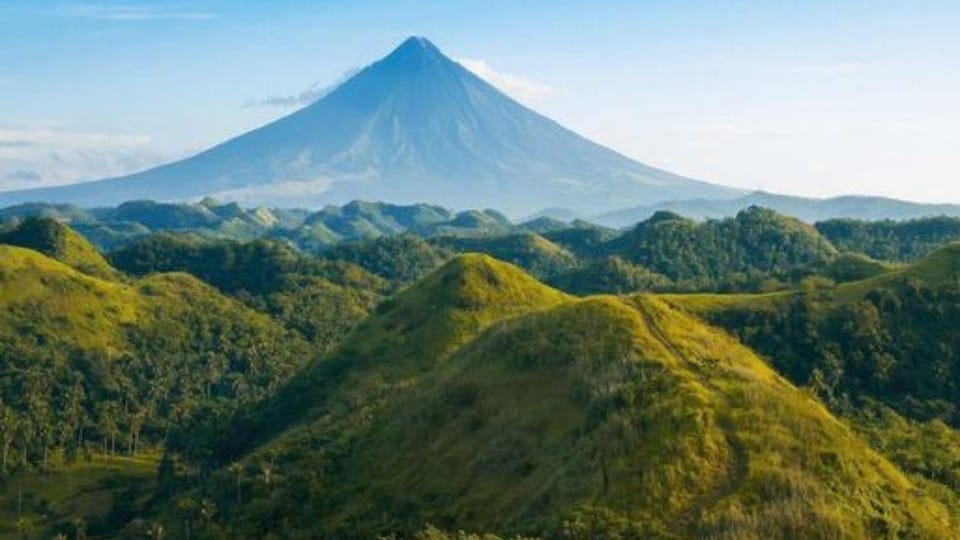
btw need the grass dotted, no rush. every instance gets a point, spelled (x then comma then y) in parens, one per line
(480, 399)
(86, 489)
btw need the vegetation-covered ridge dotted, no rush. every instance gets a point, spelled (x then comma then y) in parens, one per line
(395, 382)
(112, 365)
(480, 399)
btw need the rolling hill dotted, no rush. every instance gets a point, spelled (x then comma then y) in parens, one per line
(480, 399)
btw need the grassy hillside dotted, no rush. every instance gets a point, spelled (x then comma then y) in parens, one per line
(61, 243)
(409, 334)
(96, 365)
(481, 399)
(95, 497)
(889, 339)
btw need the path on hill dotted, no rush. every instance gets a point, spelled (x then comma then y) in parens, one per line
(739, 466)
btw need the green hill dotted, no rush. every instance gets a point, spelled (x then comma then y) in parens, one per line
(320, 299)
(58, 241)
(891, 240)
(400, 259)
(92, 364)
(611, 275)
(721, 254)
(480, 399)
(530, 251)
(890, 338)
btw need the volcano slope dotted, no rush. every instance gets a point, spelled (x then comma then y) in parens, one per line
(480, 399)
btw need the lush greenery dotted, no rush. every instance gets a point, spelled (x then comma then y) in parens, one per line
(892, 338)
(380, 370)
(480, 399)
(94, 366)
(321, 300)
(892, 240)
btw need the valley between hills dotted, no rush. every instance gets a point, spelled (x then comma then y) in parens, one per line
(372, 370)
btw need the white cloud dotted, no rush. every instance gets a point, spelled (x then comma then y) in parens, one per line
(39, 157)
(142, 12)
(516, 86)
(314, 92)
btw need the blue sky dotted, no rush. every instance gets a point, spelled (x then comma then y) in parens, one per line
(815, 97)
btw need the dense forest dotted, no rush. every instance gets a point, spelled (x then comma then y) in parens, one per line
(209, 371)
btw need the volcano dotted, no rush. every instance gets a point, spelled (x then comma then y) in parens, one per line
(414, 126)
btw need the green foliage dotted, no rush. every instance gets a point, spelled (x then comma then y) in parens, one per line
(400, 259)
(78, 499)
(609, 275)
(727, 254)
(95, 365)
(890, 240)
(480, 399)
(583, 239)
(530, 251)
(322, 300)
(59, 242)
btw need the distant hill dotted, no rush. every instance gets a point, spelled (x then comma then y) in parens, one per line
(757, 242)
(806, 209)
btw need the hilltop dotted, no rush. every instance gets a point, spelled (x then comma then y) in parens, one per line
(481, 399)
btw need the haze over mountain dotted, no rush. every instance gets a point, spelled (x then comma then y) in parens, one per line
(413, 127)
(804, 208)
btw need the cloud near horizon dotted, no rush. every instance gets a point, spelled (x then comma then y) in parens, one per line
(40, 157)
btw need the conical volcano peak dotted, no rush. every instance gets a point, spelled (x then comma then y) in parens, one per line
(416, 48)
(418, 43)
(411, 127)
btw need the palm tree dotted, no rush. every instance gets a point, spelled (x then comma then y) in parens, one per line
(25, 527)
(187, 507)
(266, 472)
(237, 470)
(208, 509)
(79, 528)
(155, 531)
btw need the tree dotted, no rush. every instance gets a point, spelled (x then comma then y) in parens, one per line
(208, 509)
(155, 531)
(187, 508)
(8, 430)
(238, 470)
(26, 527)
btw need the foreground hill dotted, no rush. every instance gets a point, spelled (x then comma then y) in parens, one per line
(97, 363)
(61, 243)
(481, 399)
